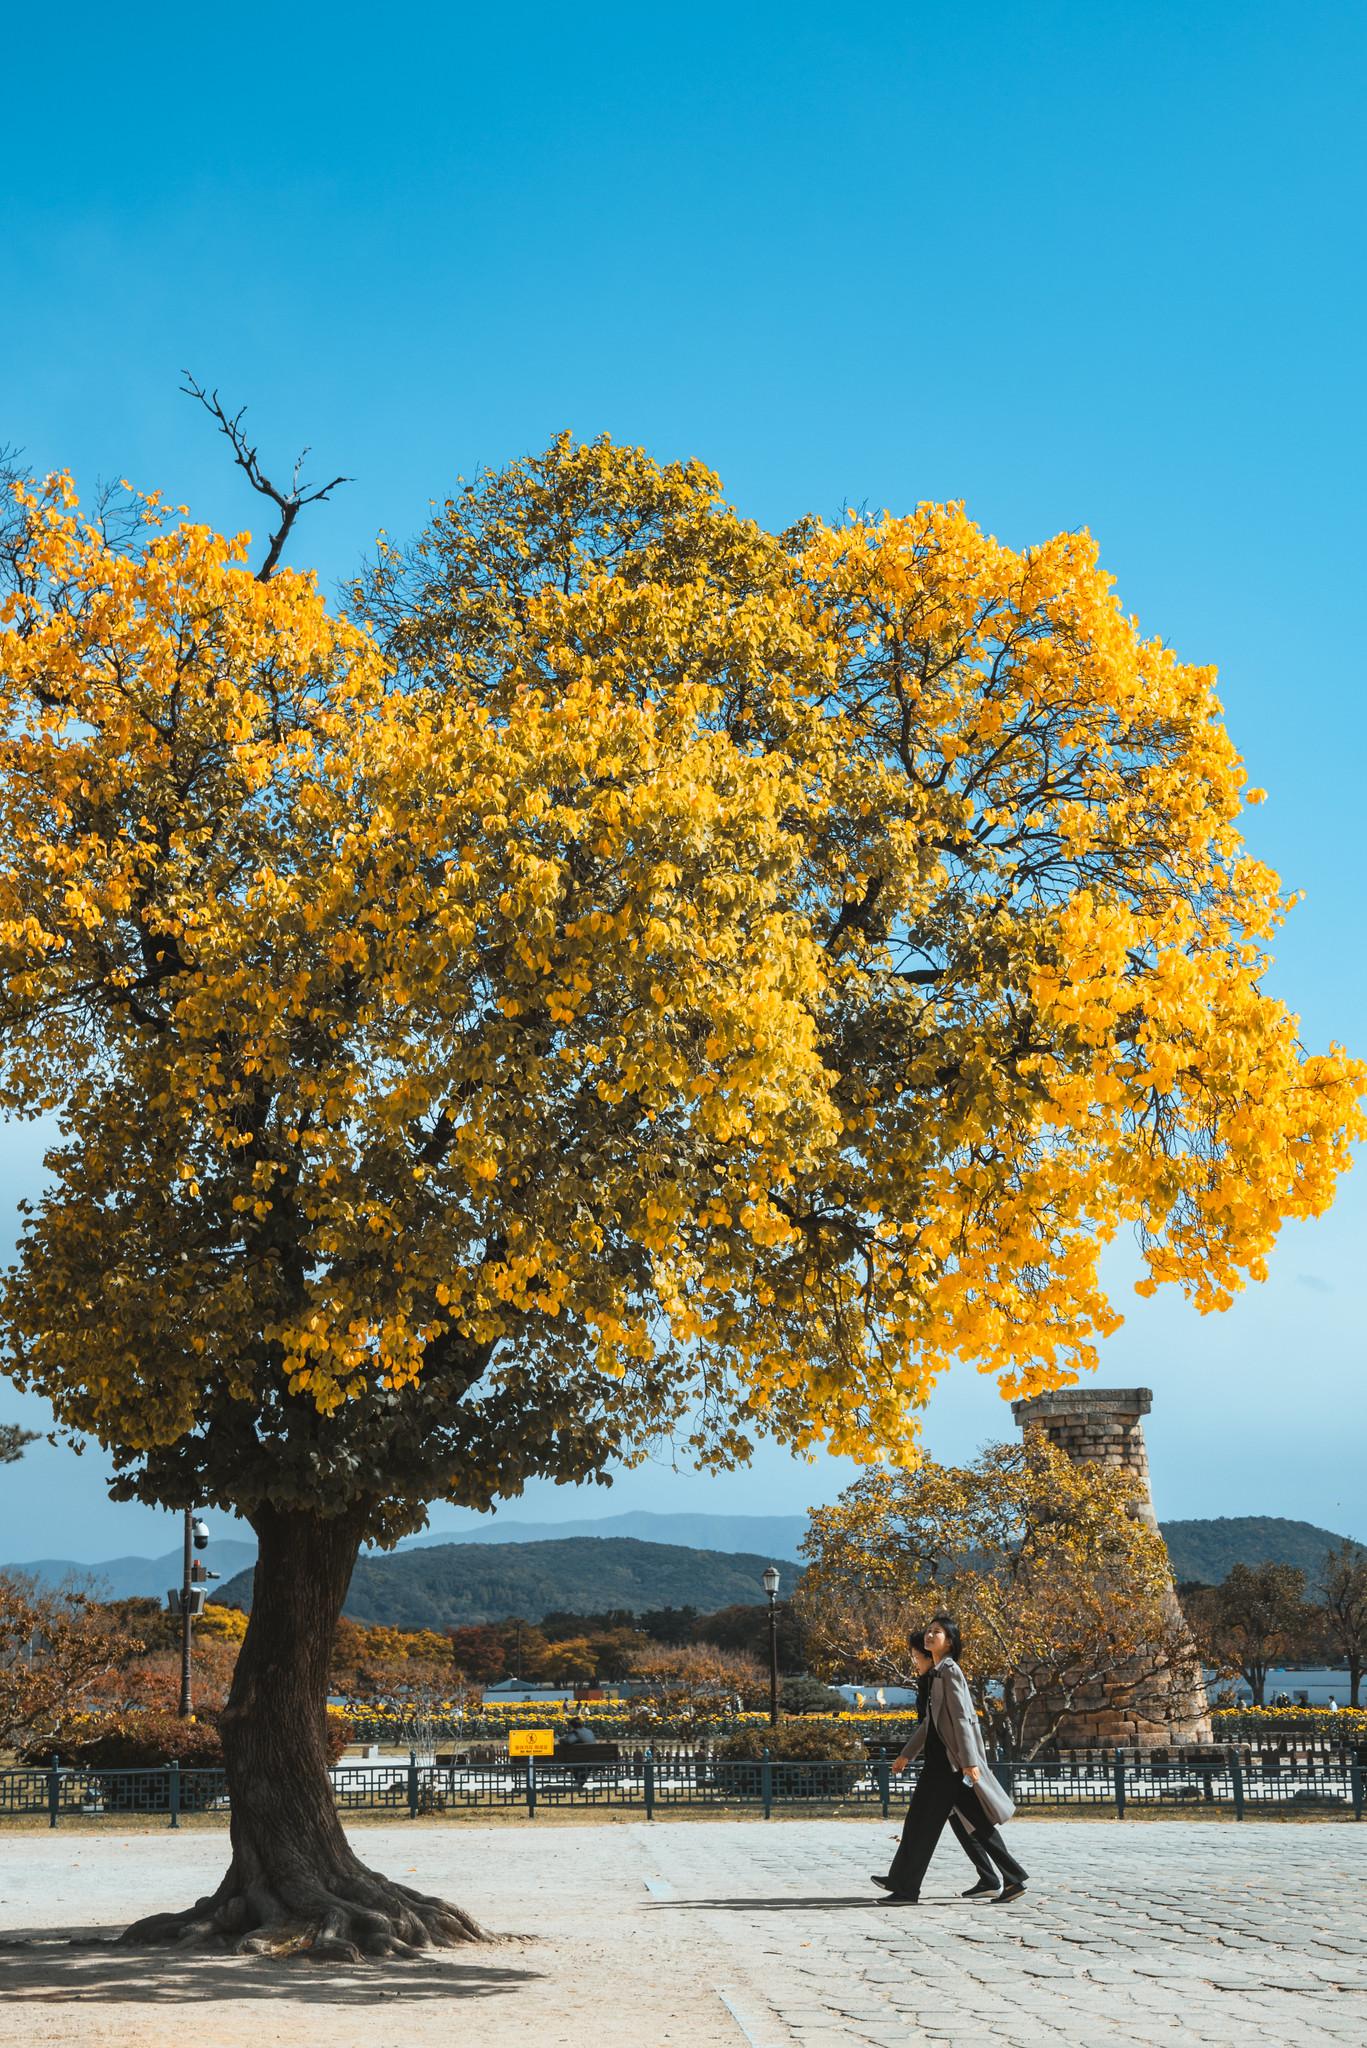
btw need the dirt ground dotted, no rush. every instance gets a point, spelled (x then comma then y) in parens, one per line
(569, 1969)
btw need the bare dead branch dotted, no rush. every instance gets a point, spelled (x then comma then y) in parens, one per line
(290, 502)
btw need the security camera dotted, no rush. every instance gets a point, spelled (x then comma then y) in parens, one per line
(200, 1531)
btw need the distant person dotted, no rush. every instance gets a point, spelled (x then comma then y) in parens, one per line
(1333, 1704)
(577, 1734)
(954, 1778)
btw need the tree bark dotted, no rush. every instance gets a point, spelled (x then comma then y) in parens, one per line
(294, 1883)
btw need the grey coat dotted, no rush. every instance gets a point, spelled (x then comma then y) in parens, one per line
(956, 1724)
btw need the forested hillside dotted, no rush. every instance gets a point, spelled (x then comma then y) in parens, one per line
(442, 1585)
(1209, 1549)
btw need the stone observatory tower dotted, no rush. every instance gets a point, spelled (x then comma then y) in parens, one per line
(1105, 1426)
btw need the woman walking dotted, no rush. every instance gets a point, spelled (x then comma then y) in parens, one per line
(954, 1779)
(988, 1880)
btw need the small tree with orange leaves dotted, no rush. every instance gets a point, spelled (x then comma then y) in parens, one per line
(1061, 1588)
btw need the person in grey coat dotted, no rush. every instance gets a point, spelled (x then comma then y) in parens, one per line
(987, 1880)
(955, 1778)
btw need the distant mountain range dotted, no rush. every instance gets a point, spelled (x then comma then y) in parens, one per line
(1200, 1549)
(136, 1578)
(448, 1584)
(128, 1578)
(751, 1533)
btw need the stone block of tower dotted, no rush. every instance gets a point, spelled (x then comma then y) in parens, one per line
(1144, 1707)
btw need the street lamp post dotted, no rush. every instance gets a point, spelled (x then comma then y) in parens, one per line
(771, 1577)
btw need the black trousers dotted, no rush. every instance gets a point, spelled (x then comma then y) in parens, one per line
(938, 1792)
(972, 1848)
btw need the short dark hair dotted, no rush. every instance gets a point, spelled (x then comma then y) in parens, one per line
(917, 1641)
(951, 1629)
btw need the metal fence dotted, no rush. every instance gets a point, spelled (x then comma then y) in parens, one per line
(1263, 1787)
(59, 1790)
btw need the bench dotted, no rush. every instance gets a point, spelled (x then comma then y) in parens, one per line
(578, 1759)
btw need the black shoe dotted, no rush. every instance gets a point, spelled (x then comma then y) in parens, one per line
(980, 1889)
(886, 1882)
(900, 1899)
(1007, 1893)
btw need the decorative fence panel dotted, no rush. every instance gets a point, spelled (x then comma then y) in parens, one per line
(1232, 1783)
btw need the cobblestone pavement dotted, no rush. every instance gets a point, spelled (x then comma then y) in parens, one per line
(1129, 1933)
(739, 1934)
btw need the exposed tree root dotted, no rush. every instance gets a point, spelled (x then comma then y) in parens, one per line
(295, 1885)
(356, 1915)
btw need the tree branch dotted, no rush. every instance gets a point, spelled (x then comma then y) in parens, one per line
(290, 502)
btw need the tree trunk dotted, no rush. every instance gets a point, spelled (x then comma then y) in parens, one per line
(294, 1883)
(1354, 1680)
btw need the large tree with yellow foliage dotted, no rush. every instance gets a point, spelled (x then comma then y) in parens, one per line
(635, 973)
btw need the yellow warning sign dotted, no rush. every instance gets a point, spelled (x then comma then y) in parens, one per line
(532, 1742)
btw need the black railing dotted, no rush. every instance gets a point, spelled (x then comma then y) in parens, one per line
(1101, 1782)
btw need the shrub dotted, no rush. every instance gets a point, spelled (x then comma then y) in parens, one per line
(142, 1739)
(134, 1739)
(809, 1696)
(806, 1741)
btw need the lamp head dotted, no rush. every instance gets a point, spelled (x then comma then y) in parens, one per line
(771, 1578)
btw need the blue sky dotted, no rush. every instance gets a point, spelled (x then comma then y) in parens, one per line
(1075, 264)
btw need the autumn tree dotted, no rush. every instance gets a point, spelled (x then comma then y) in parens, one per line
(592, 1652)
(144, 1616)
(636, 974)
(152, 1681)
(13, 1441)
(141, 1656)
(526, 1649)
(573, 1660)
(1257, 1619)
(1062, 1589)
(410, 1668)
(479, 1653)
(745, 1627)
(1343, 1593)
(697, 1678)
(56, 1646)
(219, 1635)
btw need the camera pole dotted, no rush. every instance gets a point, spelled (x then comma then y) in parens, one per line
(187, 1602)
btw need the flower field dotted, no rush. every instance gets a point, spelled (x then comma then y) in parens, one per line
(1342, 1724)
(394, 1721)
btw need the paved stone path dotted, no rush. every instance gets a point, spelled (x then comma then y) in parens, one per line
(696, 1934)
(1130, 1933)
